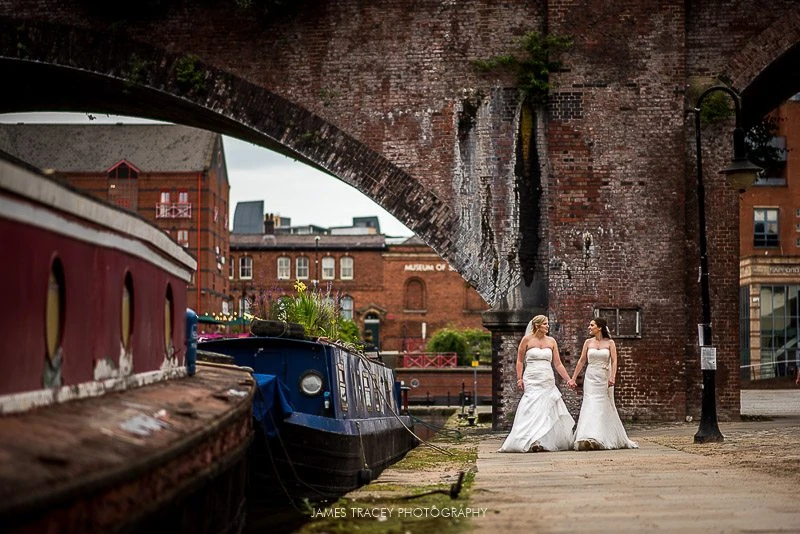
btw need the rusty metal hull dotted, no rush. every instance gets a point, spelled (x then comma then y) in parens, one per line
(171, 454)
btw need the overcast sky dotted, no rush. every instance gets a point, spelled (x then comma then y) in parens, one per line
(288, 188)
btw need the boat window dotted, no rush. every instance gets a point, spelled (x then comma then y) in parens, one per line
(367, 389)
(54, 309)
(169, 319)
(342, 383)
(387, 390)
(376, 388)
(127, 311)
(359, 388)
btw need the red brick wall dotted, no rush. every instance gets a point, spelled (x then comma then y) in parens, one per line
(209, 214)
(378, 285)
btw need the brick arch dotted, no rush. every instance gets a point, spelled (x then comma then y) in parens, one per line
(66, 68)
(765, 70)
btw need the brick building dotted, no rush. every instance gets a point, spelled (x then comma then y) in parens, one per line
(397, 290)
(173, 176)
(770, 259)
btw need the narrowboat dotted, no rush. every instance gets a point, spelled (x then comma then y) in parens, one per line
(107, 422)
(328, 418)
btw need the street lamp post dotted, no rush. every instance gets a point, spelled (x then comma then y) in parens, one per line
(316, 261)
(740, 174)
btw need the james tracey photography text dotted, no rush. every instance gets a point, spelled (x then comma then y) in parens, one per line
(343, 512)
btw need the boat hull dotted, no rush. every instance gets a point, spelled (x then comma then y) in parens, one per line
(306, 461)
(92, 465)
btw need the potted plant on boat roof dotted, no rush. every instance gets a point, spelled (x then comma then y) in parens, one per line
(316, 312)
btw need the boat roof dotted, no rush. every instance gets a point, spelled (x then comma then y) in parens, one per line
(99, 147)
(51, 197)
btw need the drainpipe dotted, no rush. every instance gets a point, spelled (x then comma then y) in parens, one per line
(199, 231)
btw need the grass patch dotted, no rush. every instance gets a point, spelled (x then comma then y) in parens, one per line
(408, 496)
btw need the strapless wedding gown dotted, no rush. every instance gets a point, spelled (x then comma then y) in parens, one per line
(599, 426)
(542, 421)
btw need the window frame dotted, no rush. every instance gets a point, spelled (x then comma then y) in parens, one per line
(617, 313)
(346, 272)
(242, 261)
(765, 238)
(299, 269)
(331, 267)
(284, 272)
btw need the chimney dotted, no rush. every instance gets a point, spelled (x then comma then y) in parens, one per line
(269, 224)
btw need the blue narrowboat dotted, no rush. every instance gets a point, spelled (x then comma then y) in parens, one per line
(328, 419)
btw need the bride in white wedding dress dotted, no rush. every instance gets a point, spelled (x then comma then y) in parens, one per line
(542, 422)
(599, 426)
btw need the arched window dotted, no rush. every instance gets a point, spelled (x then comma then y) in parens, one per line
(302, 268)
(346, 268)
(328, 268)
(284, 268)
(415, 295)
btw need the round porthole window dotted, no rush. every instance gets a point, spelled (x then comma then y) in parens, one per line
(54, 309)
(127, 311)
(169, 320)
(311, 383)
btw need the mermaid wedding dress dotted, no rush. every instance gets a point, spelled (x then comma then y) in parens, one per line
(542, 422)
(599, 426)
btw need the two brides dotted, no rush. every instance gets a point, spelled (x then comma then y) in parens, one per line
(542, 422)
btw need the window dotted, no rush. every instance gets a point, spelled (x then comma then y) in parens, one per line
(123, 189)
(779, 323)
(302, 268)
(346, 268)
(765, 227)
(622, 322)
(183, 197)
(284, 268)
(347, 307)
(183, 238)
(231, 272)
(245, 268)
(328, 268)
(414, 295)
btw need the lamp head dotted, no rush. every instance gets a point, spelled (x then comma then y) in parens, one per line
(741, 174)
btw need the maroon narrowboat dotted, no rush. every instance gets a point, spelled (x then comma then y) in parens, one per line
(102, 427)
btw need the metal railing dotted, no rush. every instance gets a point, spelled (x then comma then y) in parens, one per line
(174, 210)
(430, 359)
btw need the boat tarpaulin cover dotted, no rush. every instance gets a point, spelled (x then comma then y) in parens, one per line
(271, 402)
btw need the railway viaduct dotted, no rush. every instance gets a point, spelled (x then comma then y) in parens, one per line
(584, 202)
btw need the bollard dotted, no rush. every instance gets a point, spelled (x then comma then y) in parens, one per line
(191, 342)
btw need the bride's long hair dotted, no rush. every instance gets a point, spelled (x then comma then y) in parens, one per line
(603, 325)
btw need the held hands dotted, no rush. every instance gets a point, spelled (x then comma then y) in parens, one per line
(571, 384)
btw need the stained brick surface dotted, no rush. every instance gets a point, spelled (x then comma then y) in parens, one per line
(386, 98)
